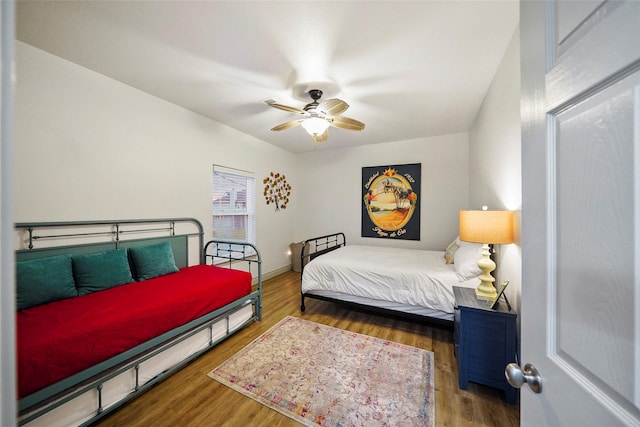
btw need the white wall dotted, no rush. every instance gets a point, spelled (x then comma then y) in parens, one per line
(331, 199)
(89, 147)
(494, 160)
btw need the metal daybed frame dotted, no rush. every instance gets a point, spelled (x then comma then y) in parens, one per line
(106, 235)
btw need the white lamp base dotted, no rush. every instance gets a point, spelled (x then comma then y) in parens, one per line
(485, 290)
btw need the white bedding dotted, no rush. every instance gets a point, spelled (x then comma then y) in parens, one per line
(416, 278)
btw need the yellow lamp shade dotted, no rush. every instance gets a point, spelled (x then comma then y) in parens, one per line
(494, 227)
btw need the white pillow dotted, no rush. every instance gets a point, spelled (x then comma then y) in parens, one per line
(465, 260)
(450, 251)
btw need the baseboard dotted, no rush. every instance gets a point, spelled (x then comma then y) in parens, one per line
(272, 274)
(276, 272)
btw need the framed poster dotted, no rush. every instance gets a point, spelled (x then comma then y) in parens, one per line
(391, 205)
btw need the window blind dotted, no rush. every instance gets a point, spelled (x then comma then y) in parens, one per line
(233, 204)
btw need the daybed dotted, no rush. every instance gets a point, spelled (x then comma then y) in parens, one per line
(100, 322)
(410, 283)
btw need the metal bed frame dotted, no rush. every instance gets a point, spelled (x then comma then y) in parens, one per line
(317, 246)
(114, 234)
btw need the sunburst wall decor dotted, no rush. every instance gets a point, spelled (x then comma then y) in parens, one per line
(276, 190)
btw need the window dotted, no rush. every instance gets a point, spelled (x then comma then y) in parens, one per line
(233, 204)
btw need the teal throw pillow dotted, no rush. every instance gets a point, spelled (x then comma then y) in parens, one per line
(44, 280)
(153, 261)
(102, 270)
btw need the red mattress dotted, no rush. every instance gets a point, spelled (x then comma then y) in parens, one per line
(62, 338)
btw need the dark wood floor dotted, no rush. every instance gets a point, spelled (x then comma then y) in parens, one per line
(190, 398)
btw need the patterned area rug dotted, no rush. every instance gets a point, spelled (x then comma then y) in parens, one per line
(320, 375)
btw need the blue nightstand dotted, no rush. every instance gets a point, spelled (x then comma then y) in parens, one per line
(484, 341)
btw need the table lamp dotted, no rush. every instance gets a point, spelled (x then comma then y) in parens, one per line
(486, 227)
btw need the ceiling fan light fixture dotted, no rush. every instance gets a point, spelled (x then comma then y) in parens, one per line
(318, 116)
(315, 125)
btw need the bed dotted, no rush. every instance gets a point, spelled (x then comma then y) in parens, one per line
(409, 283)
(134, 301)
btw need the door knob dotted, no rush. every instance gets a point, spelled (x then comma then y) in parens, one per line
(517, 376)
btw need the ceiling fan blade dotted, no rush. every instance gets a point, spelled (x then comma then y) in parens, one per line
(333, 107)
(345, 123)
(287, 125)
(288, 108)
(320, 138)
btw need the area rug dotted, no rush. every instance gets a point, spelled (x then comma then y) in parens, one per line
(320, 375)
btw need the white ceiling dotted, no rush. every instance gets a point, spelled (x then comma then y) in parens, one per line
(408, 69)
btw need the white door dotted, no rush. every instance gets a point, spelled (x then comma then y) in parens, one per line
(7, 296)
(581, 211)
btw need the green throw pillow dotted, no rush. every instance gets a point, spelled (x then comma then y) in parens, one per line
(153, 261)
(44, 280)
(102, 270)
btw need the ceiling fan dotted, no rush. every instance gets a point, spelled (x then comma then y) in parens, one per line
(318, 116)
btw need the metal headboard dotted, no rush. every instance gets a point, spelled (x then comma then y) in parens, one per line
(104, 235)
(316, 246)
